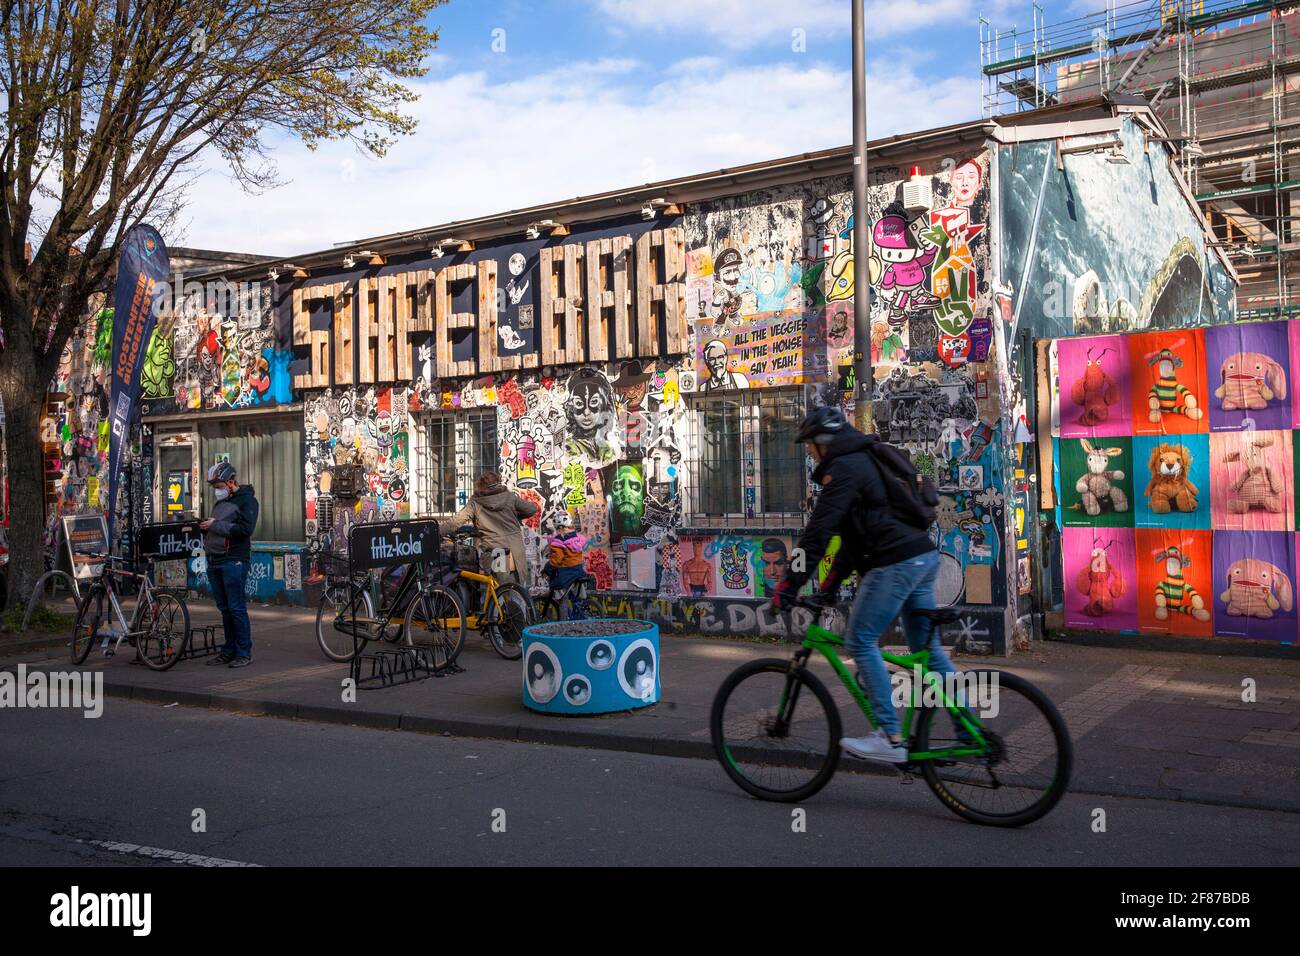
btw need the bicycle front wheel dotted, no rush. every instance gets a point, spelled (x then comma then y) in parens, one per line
(92, 615)
(776, 731)
(514, 612)
(1026, 768)
(340, 603)
(164, 631)
(436, 620)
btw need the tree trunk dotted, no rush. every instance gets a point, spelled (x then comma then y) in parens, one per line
(23, 400)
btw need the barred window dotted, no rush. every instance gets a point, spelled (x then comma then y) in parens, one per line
(452, 450)
(747, 468)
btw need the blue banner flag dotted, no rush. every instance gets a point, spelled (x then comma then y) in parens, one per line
(142, 268)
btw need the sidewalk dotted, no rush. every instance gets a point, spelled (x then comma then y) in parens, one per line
(1145, 723)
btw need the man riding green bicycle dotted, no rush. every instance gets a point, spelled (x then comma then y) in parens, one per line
(895, 560)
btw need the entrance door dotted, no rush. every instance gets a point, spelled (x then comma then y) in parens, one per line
(175, 482)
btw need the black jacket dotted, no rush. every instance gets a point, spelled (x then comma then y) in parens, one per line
(230, 535)
(854, 504)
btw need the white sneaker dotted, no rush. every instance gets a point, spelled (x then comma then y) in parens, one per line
(875, 746)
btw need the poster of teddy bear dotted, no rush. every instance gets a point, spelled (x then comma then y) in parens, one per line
(1248, 367)
(1254, 589)
(1095, 392)
(1101, 584)
(1171, 481)
(1097, 482)
(1251, 483)
(1175, 593)
(1167, 371)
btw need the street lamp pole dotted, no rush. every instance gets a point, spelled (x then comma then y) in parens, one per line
(861, 242)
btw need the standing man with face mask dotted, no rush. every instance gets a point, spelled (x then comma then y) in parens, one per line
(227, 540)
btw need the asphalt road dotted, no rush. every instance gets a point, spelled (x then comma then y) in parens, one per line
(276, 792)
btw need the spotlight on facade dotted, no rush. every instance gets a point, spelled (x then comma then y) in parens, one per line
(349, 262)
(272, 274)
(436, 252)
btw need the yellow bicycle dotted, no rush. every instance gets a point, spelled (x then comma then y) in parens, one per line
(498, 611)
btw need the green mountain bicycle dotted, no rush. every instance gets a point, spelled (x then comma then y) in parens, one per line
(776, 731)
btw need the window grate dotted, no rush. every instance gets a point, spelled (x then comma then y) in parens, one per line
(454, 450)
(746, 469)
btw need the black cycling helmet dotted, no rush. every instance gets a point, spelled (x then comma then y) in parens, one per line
(827, 420)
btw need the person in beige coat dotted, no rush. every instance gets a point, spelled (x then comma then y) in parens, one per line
(497, 514)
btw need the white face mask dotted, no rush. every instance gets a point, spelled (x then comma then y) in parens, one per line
(222, 493)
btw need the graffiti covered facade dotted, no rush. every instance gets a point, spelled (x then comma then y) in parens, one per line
(644, 370)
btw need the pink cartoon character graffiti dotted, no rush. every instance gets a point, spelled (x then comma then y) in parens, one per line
(1250, 380)
(1256, 589)
(904, 265)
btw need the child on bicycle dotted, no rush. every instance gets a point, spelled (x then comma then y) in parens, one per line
(564, 563)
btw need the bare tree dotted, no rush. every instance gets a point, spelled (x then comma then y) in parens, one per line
(109, 107)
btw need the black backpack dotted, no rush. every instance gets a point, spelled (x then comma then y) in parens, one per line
(912, 496)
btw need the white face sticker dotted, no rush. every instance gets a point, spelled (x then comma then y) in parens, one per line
(517, 263)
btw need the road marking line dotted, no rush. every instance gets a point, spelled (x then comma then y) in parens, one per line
(175, 856)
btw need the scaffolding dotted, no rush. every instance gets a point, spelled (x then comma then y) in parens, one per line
(1223, 75)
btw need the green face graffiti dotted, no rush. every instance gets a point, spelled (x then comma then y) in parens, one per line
(159, 368)
(629, 497)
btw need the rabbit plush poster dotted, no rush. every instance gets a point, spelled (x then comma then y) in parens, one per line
(1095, 392)
(1097, 482)
(1175, 592)
(1254, 590)
(1101, 586)
(1251, 483)
(1248, 365)
(1167, 374)
(1171, 481)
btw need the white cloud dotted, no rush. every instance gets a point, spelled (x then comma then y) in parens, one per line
(485, 147)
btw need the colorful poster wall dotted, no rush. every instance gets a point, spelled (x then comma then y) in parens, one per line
(1177, 480)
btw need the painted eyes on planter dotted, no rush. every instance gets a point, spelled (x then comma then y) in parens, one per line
(636, 669)
(600, 655)
(577, 690)
(542, 673)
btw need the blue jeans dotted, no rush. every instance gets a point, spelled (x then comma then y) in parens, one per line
(228, 591)
(884, 593)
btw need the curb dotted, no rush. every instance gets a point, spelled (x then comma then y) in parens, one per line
(619, 743)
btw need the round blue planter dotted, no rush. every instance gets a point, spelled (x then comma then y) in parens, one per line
(599, 666)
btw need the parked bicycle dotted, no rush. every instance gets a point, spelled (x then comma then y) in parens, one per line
(159, 627)
(498, 611)
(419, 611)
(776, 731)
(569, 603)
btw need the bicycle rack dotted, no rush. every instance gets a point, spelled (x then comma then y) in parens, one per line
(204, 641)
(40, 586)
(388, 667)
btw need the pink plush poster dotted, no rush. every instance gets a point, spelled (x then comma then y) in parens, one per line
(1293, 332)
(1251, 486)
(1095, 387)
(1254, 585)
(1101, 583)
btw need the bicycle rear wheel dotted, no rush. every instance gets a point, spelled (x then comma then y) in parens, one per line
(515, 612)
(1027, 767)
(436, 620)
(340, 602)
(92, 615)
(776, 731)
(164, 631)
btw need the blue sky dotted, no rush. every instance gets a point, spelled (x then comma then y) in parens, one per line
(590, 95)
